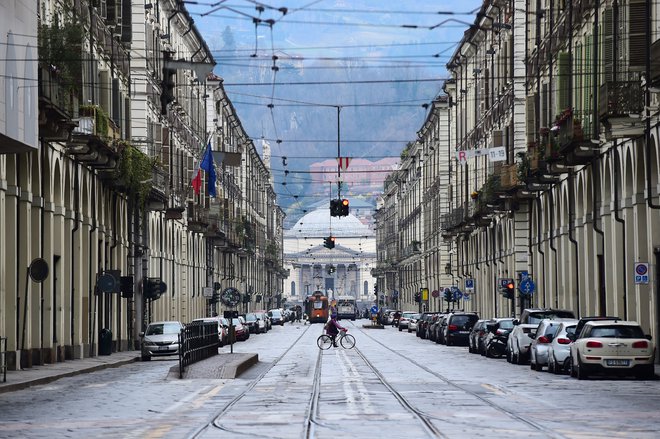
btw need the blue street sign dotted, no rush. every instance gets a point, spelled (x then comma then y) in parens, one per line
(457, 294)
(374, 309)
(469, 284)
(527, 286)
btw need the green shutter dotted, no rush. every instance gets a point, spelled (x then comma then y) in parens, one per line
(563, 80)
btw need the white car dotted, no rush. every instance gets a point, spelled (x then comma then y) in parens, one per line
(519, 341)
(541, 339)
(160, 338)
(404, 320)
(612, 347)
(412, 322)
(559, 349)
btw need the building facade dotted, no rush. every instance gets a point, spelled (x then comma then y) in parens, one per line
(569, 92)
(99, 190)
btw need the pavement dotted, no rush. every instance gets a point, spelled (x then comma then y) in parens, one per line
(224, 366)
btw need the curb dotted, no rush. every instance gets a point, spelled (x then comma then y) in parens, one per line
(49, 379)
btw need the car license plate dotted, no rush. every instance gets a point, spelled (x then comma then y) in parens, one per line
(164, 348)
(617, 362)
(463, 332)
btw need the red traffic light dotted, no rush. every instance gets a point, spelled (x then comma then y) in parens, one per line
(344, 202)
(510, 285)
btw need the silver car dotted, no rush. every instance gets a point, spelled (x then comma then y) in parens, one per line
(160, 339)
(541, 337)
(559, 350)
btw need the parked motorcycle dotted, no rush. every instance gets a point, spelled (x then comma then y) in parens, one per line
(496, 347)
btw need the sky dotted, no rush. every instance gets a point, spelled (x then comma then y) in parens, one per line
(379, 61)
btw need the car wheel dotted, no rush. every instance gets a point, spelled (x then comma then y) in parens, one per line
(400, 329)
(647, 373)
(551, 364)
(538, 367)
(508, 356)
(581, 373)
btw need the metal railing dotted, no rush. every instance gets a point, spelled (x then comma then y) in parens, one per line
(197, 341)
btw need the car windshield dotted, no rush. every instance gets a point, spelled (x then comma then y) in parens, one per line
(251, 317)
(277, 313)
(236, 322)
(506, 324)
(538, 316)
(617, 332)
(570, 329)
(463, 320)
(163, 328)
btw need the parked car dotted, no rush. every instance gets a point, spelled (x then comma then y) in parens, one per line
(241, 331)
(404, 320)
(457, 326)
(269, 324)
(559, 348)
(222, 331)
(160, 338)
(477, 337)
(393, 318)
(541, 337)
(432, 330)
(412, 322)
(423, 323)
(276, 317)
(254, 323)
(612, 347)
(519, 340)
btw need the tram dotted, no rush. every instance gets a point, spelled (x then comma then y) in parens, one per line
(316, 307)
(346, 307)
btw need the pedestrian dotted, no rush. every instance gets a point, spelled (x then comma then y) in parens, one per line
(333, 327)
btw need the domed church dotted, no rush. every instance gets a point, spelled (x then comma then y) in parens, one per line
(341, 271)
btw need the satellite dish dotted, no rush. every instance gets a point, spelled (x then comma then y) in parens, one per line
(38, 270)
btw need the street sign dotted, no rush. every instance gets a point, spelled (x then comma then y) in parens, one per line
(456, 293)
(527, 286)
(207, 292)
(469, 284)
(435, 293)
(425, 293)
(641, 273)
(374, 309)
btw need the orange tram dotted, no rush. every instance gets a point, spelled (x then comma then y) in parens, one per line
(317, 307)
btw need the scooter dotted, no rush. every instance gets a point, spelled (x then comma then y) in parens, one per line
(496, 347)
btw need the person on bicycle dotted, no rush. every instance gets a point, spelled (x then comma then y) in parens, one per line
(333, 327)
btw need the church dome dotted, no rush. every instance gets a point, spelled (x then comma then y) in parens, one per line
(317, 224)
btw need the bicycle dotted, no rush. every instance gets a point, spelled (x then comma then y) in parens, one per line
(347, 341)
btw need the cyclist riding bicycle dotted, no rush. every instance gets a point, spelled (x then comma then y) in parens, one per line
(333, 327)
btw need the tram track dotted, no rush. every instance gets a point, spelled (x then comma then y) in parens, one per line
(216, 419)
(536, 426)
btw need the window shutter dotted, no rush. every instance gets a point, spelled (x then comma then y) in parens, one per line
(637, 34)
(530, 111)
(563, 79)
(608, 45)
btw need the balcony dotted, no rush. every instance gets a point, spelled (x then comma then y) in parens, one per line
(159, 188)
(655, 66)
(197, 218)
(57, 104)
(620, 109)
(570, 139)
(94, 140)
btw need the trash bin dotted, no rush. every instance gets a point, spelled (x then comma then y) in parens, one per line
(105, 342)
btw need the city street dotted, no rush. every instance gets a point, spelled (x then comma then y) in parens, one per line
(391, 384)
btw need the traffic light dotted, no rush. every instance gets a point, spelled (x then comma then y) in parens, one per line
(335, 207)
(168, 83)
(126, 287)
(509, 290)
(154, 287)
(343, 207)
(448, 295)
(418, 297)
(329, 242)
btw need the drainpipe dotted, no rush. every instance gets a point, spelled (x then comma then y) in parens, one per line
(553, 249)
(571, 237)
(76, 226)
(92, 313)
(44, 156)
(539, 240)
(112, 250)
(621, 221)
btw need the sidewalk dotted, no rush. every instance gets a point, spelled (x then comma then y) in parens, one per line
(21, 379)
(222, 366)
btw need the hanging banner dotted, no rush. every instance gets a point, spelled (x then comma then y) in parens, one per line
(497, 154)
(343, 162)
